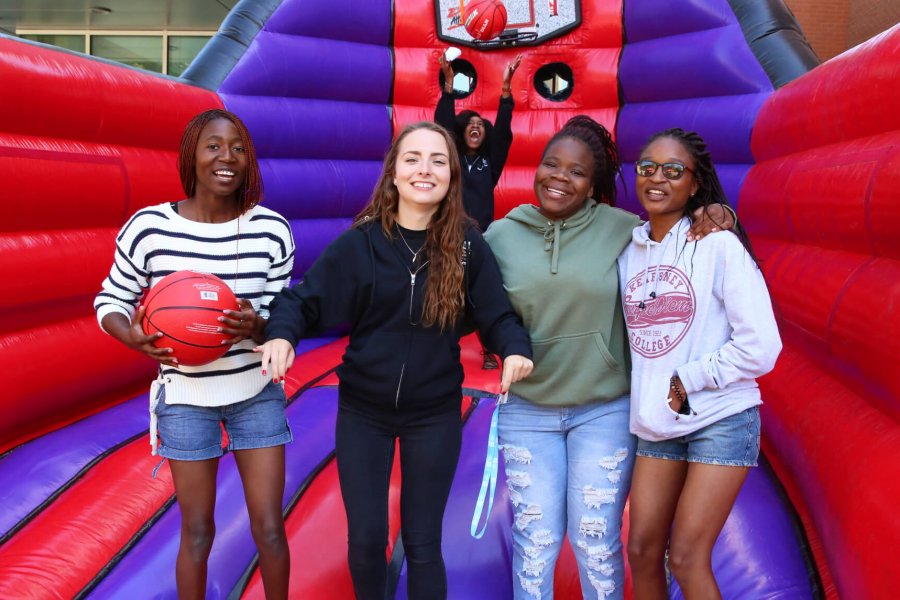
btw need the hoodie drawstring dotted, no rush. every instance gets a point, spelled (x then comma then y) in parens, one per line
(551, 243)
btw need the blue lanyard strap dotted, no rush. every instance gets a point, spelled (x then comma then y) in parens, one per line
(489, 479)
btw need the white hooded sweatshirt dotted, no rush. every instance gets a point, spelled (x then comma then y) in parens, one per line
(700, 310)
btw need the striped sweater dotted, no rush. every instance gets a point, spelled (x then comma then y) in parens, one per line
(253, 254)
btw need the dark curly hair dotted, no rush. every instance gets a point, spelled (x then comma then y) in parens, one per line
(604, 150)
(462, 119)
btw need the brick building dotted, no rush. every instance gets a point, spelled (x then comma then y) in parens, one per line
(832, 26)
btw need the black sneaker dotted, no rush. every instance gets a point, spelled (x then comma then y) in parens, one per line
(490, 361)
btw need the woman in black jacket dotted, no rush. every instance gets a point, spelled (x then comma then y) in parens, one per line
(402, 276)
(482, 148)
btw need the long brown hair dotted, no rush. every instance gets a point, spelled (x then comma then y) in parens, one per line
(251, 191)
(444, 294)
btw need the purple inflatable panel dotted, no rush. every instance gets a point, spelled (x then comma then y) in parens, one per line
(367, 22)
(724, 122)
(302, 67)
(691, 68)
(300, 128)
(648, 20)
(295, 188)
(149, 565)
(693, 65)
(475, 568)
(30, 473)
(756, 555)
(311, 236)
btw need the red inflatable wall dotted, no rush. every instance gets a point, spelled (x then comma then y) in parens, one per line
(83, 144)
(592, 51)
(822, 203)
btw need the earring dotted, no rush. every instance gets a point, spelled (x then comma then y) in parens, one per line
(395, 182)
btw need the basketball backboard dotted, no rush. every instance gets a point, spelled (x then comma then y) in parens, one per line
(529, 22)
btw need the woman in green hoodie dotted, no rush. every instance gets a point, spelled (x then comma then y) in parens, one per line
(564, 431)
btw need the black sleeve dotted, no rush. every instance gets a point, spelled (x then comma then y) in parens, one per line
(445, 112)
(500, 327)
(328, 295)
(502, 137)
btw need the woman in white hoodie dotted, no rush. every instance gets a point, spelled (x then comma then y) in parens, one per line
(701, 329)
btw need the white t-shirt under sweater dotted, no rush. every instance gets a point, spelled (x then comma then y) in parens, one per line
(253, 254)
(700, 310)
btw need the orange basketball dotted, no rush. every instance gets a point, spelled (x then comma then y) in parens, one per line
(185, 307)
(485, 19)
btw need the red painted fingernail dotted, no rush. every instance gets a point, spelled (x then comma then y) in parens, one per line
(264, 371)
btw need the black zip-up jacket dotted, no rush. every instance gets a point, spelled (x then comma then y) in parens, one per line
(481, 173)
(363, 278)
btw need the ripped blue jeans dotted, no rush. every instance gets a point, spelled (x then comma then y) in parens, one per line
(568, 470)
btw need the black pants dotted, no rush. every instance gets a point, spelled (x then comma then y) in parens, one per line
(429, 452)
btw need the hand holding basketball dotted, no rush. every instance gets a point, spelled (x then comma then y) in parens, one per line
(136, 339)
(242, 324)
(277, 358)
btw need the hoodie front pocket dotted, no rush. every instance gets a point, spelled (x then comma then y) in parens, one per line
(604, 352)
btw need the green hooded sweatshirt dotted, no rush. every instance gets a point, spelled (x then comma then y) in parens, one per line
(562, 279)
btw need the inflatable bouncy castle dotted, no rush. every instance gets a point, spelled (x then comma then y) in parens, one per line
(809, 154)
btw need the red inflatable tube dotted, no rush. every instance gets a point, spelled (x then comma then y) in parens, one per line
(84, 143)
(841, 197)
(65, 546)
(58, 97)
(90, 371)
(841, 453)
(61, 264)
(850, 96)
(64, 184)
(822, 205)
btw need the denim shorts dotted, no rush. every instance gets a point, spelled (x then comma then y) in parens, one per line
(732, 441)
(188, 432)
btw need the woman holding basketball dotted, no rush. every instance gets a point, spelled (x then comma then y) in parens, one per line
(219, 228)
(482, 148)
(402, 276)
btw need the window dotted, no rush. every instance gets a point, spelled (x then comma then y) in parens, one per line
(69, 42)
(464, 78)
(158, 51)
(182, 50)
(143, 52)
(554, 81)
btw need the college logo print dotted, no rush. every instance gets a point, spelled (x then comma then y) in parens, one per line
(659, 309)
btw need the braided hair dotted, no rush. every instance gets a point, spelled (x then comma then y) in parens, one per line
(251, 191)
(598, 139)
(709, 189)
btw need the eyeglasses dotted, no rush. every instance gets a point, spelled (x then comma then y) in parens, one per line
(671, 171)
